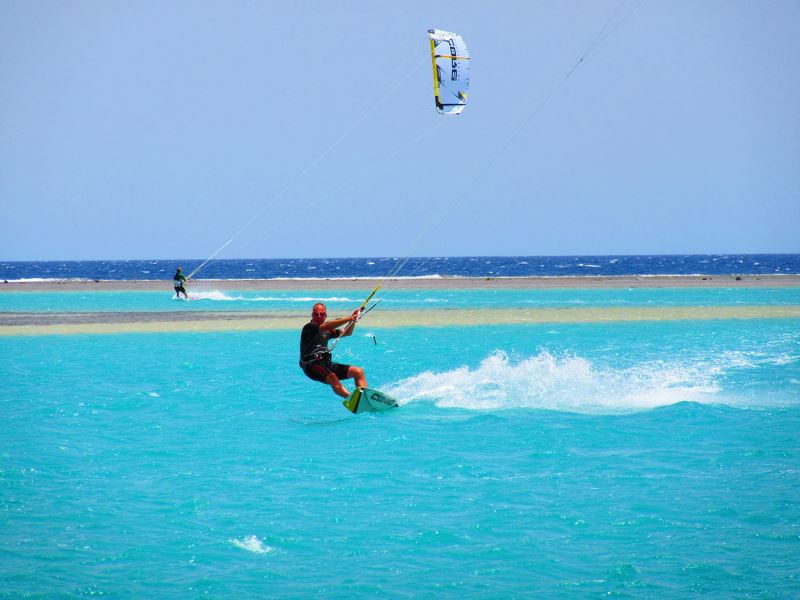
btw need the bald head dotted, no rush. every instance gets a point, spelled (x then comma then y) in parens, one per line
(319, 313)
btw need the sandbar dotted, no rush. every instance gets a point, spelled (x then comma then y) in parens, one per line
(67, 323)
(433, 283)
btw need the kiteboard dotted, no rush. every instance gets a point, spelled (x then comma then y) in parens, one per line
(368, 400)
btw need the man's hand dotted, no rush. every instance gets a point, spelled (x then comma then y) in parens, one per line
(356, 316)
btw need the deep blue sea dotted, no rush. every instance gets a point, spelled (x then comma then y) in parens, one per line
(470, 266)
(630, 459)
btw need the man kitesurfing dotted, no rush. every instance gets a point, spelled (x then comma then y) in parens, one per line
(317, 362)
(179, 282)
(315, 357)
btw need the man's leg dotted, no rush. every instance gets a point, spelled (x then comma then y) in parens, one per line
(357, 373)
(333, 381)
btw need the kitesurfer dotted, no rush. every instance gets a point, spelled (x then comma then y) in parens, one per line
(178, 280)
(315, 357)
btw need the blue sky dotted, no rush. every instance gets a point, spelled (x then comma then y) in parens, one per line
(159, 129)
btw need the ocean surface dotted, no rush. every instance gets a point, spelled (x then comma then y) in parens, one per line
(469, 266)
(652, 459)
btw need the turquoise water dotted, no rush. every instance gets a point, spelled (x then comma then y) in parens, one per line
(209, 299)
(637, 460)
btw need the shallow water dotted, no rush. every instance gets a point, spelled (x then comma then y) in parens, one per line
(206, 298)
(640, 459)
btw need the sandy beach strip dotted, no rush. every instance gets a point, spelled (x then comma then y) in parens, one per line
(434, 283)
(27, 324)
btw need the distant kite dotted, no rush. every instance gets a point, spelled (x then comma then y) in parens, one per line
(450, 71)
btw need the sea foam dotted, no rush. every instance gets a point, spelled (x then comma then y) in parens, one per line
(251, 543)
(570, 383)
(219, 296)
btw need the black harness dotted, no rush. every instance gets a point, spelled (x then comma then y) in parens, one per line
(320, 355)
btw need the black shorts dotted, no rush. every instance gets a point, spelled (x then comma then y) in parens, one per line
(180, 288)
(318, 371)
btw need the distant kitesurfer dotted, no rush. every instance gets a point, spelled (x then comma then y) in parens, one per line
(315, 357)
(178, 281)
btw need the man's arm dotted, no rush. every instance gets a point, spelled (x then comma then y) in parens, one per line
(336, 323)
(350, 327)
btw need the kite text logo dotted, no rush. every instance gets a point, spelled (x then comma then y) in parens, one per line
(453, 61)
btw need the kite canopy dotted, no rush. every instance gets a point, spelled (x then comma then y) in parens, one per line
(450, 71)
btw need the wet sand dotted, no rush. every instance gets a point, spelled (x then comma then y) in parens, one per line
(65, 323)
(439, 283)
(22, 323)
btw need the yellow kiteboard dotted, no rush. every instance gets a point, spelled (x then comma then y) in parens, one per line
(368, 400)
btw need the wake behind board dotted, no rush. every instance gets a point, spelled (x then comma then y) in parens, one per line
(368, 400)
